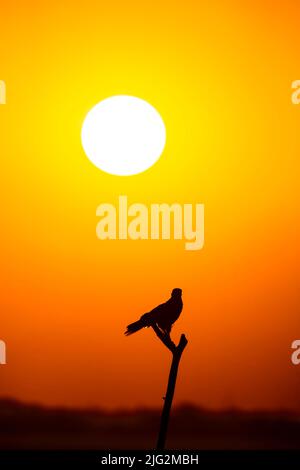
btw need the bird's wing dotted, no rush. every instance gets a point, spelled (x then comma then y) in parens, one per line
(156, 313)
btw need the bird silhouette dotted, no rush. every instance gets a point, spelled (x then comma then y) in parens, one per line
(164, 315)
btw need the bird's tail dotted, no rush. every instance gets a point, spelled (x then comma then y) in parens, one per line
(134, 327)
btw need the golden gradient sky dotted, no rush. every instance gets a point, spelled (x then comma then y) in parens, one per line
(220, 74)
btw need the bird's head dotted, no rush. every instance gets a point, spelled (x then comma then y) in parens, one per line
(176, 292)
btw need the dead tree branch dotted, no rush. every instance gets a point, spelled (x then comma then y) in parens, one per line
(176, 353)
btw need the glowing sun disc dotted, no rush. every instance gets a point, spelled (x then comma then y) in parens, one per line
(123, 135)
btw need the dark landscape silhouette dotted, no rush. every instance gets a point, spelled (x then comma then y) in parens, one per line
(28, 426)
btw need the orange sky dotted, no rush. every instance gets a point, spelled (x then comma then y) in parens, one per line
(220, 74)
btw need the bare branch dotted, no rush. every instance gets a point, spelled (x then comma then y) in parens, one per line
(165, 338)
(176, 353)
(182, 344)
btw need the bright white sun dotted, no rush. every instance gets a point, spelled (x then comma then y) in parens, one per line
(123, 135)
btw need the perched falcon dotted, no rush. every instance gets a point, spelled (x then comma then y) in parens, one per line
(163, 316)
